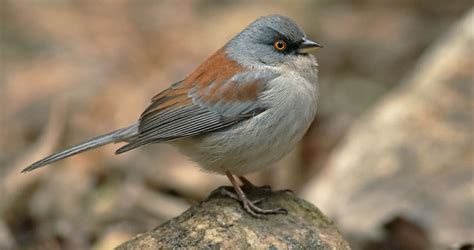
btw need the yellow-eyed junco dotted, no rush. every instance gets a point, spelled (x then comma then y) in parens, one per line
(241, 110)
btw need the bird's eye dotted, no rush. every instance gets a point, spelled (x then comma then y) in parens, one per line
(280, 45)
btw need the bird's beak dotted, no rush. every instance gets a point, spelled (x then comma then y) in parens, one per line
(307, 46)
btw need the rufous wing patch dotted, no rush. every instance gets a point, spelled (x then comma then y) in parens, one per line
(210, 83)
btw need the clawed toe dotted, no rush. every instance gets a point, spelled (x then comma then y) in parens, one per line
(257, 212)
(248, 205)
(227, 193)
(232, 195)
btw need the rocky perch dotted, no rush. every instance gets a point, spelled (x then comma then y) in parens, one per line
(219, 222)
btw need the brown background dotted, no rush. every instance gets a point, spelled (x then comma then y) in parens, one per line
(70, 70)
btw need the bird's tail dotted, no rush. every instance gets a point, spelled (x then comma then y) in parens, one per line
(115, 136)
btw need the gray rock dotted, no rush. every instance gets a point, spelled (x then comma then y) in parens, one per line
(219, 222)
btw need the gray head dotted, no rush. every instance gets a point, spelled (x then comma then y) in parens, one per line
(270, 40)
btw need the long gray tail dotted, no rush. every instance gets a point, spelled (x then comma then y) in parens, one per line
(115, 136)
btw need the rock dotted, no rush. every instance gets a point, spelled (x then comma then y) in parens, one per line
(219, 222)
(412, 155)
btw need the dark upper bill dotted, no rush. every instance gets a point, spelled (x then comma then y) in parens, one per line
(307, 46)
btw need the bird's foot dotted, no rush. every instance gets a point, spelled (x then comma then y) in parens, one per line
(227, 193)
(247, 185)
(257, 212)
(248, 205)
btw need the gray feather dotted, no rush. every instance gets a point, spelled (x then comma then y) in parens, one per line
(201, 116)
(115, 136)
(200, 122)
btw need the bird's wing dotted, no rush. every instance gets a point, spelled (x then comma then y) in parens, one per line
(210, 98)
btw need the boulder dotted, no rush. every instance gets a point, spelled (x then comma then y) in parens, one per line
(219, 222)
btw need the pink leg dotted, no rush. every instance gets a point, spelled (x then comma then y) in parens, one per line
(248, 205)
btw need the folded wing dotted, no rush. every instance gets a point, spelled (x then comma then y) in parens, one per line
(217, 95)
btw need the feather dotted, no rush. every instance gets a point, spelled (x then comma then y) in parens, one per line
(115, 136)
(219, 94)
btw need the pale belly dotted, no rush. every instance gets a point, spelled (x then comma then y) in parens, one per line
(251, 145)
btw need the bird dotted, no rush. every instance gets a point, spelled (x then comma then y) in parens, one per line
(244, 108)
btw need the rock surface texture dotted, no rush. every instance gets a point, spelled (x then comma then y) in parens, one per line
(413, 154)
(219, 222)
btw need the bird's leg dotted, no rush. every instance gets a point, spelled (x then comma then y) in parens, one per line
(249, 185)
(232, 195)
(246, 182)
(248, 205)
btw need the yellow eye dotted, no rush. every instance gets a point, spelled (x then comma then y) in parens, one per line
(280, 45)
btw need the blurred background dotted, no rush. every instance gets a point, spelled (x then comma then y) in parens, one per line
(389, 157)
